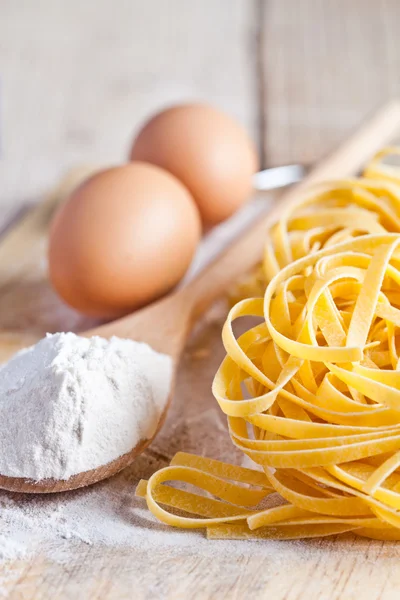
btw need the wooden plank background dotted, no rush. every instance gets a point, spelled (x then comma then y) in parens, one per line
(76, 80)
(325, 64)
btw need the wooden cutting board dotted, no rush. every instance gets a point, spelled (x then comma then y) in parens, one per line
(333, 568)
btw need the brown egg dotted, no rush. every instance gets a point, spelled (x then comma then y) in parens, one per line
(125, 237)
(207, 150)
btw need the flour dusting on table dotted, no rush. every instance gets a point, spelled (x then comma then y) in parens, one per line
(109, 514)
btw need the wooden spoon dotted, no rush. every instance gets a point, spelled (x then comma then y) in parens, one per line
(165, 324)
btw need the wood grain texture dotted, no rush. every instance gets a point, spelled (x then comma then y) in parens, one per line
(76, 79)
(326, 64)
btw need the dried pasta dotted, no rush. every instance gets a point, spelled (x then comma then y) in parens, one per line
(312, 391)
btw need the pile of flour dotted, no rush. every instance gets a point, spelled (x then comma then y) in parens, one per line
(69, 404)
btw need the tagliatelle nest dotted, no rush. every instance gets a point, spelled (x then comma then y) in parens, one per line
(312, 393)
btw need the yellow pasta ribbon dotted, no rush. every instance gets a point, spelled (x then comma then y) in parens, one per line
(311, 393)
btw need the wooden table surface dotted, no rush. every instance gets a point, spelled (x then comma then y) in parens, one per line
(76, 80)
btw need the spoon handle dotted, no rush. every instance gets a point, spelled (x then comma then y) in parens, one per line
(246, 252)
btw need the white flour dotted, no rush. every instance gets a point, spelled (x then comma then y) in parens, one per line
(108, 514)
(83, 532)
(106, 524)
(70, 404)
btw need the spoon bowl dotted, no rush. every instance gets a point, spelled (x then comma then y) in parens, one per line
(49, 486)
(165, 324)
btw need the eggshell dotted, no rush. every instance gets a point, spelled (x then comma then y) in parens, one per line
(207, 150)
(124, 238)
